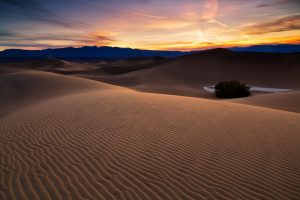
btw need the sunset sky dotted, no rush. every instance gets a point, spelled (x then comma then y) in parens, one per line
(147, 24)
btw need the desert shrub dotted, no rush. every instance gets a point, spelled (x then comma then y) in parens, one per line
(231, 89)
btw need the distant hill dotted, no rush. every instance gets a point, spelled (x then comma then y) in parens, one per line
(280, 48)
(114, 53)
(87, 52)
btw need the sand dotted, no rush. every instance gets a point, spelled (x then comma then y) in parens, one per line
(187, 75)
(289, 101)
(25, 87)
(73, 138)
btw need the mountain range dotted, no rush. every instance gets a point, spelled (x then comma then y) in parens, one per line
(88, 52)
(106, 52)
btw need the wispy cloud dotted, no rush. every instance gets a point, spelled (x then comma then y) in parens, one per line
(210, 12)
(278, 2)
(262, 5)
(287, 23)
(4, 34)
(32, 46)
(35, 10)
(136, 13)
(47, 41)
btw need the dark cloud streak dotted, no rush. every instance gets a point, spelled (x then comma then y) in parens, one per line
(14, 40)
(279, 3)
(262, 5)
(29, 45)
(277, 25)
(4, 33)
(35, 10)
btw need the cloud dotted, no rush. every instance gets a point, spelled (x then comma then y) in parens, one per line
(210, 9)
(35, 10)
(214, 21)
(103, 38)
(262, 5)
(6, 44)
(277, 25)
(279, 3)
(5, 34)
(210, 12)
(136, 13)
(54, 41)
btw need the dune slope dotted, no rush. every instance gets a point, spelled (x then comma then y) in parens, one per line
(50, 64)
(186, 75)
(289, 101)
(24, 87)
(115, 143)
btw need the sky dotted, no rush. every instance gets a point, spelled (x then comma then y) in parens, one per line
(148, 24)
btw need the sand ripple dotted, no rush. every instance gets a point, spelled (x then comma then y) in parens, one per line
(126, 145)
(120, 144)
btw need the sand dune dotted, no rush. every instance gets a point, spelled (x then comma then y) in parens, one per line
(52, 65)
(105, 142)
(25, 87)
(289, 101)
(187, 75)
(67, 66)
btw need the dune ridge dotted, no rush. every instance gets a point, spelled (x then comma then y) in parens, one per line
(107, 142)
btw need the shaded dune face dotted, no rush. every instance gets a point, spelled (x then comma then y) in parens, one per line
(25, 87)
(46, 63)
(109, 142)
(288, 101)
(254, 68)
(186, 75)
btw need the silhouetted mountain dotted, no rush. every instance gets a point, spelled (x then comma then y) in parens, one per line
(124, 53)
(280, 48)
(87, 52)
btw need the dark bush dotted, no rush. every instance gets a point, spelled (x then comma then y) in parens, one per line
(231, 89)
